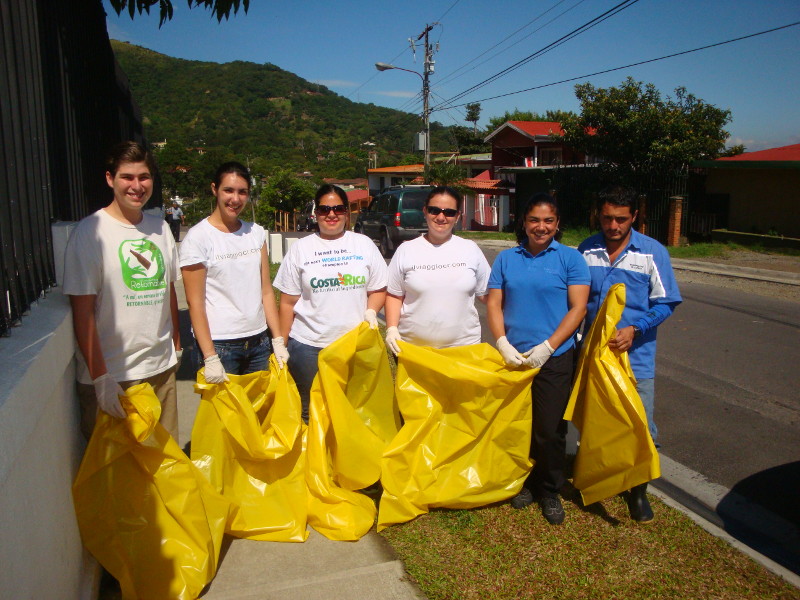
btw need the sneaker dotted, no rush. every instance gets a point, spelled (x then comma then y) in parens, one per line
(552, 510)
(523, 499)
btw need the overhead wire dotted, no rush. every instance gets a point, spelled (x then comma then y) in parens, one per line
(628, 66)
(453, 74)
(563, 39)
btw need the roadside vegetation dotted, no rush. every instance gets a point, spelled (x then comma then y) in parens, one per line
(498, 552)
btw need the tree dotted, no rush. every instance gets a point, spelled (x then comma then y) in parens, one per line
(468, 142)
(473, 115)
(449, 174)
(282, 191)
(220, 8)
(636, 132)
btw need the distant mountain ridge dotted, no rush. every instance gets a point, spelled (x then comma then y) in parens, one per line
(248, 109)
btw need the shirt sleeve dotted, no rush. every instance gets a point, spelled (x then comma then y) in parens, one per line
(172, 250)
(577, 269)
(194, 249)
(396, 274)
(378, 273)
(482, 274)
(289, 280)
(496, 275)
(83, 268)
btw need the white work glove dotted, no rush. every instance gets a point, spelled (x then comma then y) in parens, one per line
(179, 355)
(538, 355)
(371, 317)
(280, 351)
(392, 337)
(108, 392)
(510, 354)
(214, 371)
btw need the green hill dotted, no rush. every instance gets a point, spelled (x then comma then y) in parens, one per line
(263, 114)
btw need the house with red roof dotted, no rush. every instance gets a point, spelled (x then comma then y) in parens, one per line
(761, 190)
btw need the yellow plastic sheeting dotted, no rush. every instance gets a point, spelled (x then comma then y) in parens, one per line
(467, 431)
(143, 509)
(352, 418)
(247, 439)
(616, 451)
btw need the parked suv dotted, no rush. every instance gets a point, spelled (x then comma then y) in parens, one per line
(394, 217)
(307, 219)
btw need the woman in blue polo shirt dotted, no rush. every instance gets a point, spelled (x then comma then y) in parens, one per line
(537, 300)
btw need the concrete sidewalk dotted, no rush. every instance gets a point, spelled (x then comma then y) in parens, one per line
(318, 568)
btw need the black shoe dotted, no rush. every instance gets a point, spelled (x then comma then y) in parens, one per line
(638, 505)
(523, 499)
(552, 510)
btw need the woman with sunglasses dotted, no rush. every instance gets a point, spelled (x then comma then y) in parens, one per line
(537, 300)
(434, 280)
(329, 281)
(226, 277)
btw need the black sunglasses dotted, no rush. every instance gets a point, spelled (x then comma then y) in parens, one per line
(324, 209)
(436, 211)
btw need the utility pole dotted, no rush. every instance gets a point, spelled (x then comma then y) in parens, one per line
(428, 68)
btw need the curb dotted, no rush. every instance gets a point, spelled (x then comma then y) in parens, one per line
(691, 493)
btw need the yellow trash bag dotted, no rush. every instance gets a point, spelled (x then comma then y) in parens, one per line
(144, 510)
(466, 438)
(352, 417)
(247, 439)
(616, 451)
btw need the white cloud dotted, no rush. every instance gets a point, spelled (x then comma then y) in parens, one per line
(397, 94)
(336, 83)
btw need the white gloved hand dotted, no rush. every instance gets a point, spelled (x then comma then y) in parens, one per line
(214, 371)
(510, 354)
(538, 355)
(280, 351)
(108, 392)
(392, 337)
(179, 355)
(371, 317)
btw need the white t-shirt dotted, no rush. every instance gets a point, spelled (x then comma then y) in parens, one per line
(439, 284)
(129, 268)
(332, 278)
(233, 277)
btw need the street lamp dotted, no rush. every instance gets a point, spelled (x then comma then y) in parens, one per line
(381, 66)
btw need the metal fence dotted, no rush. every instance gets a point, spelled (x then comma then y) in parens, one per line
(63, 103)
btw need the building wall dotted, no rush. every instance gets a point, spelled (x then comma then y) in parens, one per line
(40, 451)
(761, 200)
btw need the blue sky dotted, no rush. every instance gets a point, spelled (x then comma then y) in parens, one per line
(337, 43)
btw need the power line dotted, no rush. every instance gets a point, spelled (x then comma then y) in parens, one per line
(636, 64)
(575, 32)
(452, 75)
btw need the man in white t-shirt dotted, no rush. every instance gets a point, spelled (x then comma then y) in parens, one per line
(119, 273)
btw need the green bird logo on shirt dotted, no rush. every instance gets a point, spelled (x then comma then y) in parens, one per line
(142, 265)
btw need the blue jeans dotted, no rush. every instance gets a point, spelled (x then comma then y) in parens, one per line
(647, 392)
(241, 356)
(303, 367)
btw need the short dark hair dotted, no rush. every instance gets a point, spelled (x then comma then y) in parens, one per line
(327, 188)
(528, 206)
(618, 195)
(128, 152)
(447, 191)
(231, 168)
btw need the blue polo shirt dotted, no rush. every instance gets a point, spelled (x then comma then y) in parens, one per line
(535, 292)
(651, 292)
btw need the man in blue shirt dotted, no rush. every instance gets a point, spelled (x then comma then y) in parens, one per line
(618, 254)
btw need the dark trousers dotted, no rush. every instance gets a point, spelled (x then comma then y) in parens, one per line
(175, 227)
(550, 390)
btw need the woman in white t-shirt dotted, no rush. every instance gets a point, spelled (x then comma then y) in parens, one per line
(434, 280)
(226, 276)
(329, 282)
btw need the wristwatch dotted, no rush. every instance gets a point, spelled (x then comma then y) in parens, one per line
(636, 331)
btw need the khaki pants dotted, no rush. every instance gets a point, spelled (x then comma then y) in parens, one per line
(164, 386)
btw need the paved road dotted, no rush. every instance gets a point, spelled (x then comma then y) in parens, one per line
(727, 401)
